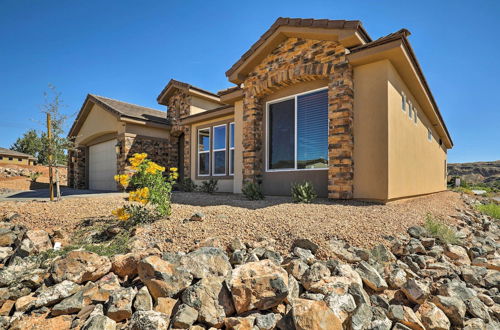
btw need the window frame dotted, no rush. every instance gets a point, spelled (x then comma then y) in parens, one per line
(198, 152)
(294, 169)
(213, 151)
(415, 118)
(403, 102)
(429, 134)
(231, 163)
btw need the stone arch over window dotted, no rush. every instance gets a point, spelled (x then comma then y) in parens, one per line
(296, 61)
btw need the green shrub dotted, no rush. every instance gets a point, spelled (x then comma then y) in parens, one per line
(303, 192)
(463, 190)
(187, 185)
(252, 191)
(437, 229)
(491, 209)
(209, 186)
(34, 176)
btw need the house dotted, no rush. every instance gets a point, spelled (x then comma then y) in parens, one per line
(314, 100)
(14, 157)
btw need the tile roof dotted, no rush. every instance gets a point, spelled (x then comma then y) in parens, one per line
(131, 110)
(13, 153)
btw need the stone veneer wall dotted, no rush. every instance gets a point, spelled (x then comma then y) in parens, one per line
(178, 107)
(156, 148)
(298, 60)
(77, 168)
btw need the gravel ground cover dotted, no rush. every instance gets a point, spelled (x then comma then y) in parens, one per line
(229, 216)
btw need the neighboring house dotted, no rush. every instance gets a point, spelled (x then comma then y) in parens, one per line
(314, 100)
(14, 157)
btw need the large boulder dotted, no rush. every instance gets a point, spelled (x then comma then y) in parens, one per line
(80, 267)
(56, 293)
(313, 315)
(432, 317)
(149, 320)
(453, 307)
(126, 264)
(258, 285)
(40, 239)
(371, 277)
(211, 298)
(119, 306)
(163, 278)
(207, 261)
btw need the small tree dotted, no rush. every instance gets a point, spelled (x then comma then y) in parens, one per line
(59, 143)
(30, 143)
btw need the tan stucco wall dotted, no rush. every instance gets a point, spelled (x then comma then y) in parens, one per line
(147, 131)
(370, 131)
(15, 160)
(200, 105)
(238, 147)
(225, 185)
(416, 165)
(98, 122)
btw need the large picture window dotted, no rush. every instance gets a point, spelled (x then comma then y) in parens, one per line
(204, 151)
(297, 132)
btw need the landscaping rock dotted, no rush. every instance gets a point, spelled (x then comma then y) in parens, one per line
(432, 317)
(149, 320)
(212, 299)
(119, 306)
(416, 291)
(454, 308)
(405, 316)
(307, 244)
(80, 267)
(207, 261)
(143, 300)
(40, 239)
(163, 278)
(258, 285)
(313, 315)
(165, 305)
(184, 317)
(371, 277)
(56, 293)
(99, 322)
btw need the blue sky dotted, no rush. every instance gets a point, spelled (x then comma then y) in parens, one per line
(128, 50)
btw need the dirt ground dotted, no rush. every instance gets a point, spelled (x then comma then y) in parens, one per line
(24, 183)
(229, 216)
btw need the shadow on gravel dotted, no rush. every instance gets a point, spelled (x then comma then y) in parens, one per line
(235, 200)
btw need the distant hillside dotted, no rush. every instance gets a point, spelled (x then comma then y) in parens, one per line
(478, 172)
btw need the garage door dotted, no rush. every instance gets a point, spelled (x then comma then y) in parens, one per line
(102, 166)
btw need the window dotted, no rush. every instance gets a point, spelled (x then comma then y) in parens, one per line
(231, 149)
(415, 117)
(204, 151)
(10, 158)
(297, 132)
(403, 102)
(219, 152)
(429, 134)
(409, 110)
(19, 159)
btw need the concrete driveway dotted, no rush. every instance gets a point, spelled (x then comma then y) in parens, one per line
(43, 194)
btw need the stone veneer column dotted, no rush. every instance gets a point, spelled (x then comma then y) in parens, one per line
(80, 168)
(252, 137)
(340, 133)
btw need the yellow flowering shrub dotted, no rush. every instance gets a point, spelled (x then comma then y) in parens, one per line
(153, 190)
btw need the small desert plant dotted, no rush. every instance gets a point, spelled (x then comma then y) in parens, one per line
(491, 209)
(303, 192)
(209, 186)
(187, 185)
(151, 198)
(252, 191)
(34, 176)
(437, 229)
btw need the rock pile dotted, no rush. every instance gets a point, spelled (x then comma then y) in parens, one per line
(415, 282)
(7, 172)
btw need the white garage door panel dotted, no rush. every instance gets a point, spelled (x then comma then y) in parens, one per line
(102, 166)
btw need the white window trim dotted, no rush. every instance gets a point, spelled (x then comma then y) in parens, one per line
(415, 117)
(205, 151)
(403, 102)
(410, 107)
(231, 165)
(295, 169)
(220, 149)
(429, 134)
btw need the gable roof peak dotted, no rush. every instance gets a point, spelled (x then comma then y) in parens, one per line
(176, 84)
